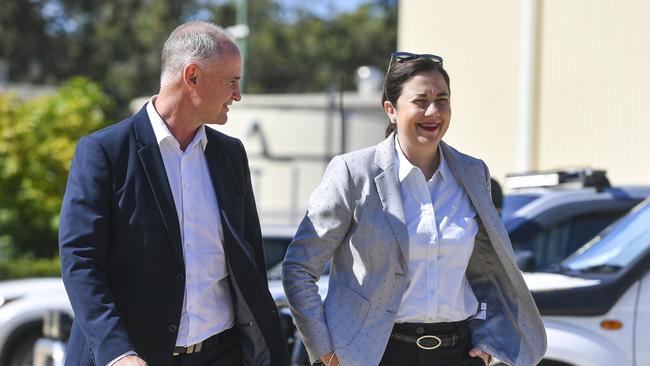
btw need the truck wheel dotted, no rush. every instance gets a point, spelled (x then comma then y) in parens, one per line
(22, 350)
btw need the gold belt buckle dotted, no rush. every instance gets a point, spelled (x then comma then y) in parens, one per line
(193, 348)
(424, 338)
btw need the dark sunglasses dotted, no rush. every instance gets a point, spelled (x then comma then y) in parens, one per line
(401, 56)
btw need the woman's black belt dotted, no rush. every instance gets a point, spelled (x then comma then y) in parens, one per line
(427, 336)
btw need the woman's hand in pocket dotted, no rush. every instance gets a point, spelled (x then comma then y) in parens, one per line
(477, 352)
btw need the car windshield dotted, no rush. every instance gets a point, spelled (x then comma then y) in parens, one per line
(513, 202)
(615, 247)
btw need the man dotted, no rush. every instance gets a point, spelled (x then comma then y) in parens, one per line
(161, 249)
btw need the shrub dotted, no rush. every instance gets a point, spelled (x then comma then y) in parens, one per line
(37, 139)
(23, 268)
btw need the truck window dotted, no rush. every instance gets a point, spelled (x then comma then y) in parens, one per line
(551, 245)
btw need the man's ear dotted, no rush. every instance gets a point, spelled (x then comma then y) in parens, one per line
(390, 111)
(190, 74)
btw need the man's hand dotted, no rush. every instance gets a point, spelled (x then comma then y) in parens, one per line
(476, 352)
(330, 359)
(131, 360)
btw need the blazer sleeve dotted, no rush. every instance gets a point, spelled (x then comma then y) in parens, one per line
(84, 240)
(323, 229)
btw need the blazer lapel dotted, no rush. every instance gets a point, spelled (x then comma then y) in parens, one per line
(472, 179)
(467, 175)
(219, 171)
(227, 188)
(389, 193)
(154, 169)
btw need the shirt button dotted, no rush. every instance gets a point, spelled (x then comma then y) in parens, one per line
(173, 328)
(180, 277)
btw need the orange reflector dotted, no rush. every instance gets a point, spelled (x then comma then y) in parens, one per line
(611, 324)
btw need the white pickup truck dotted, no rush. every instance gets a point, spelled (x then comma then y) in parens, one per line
(596, 308)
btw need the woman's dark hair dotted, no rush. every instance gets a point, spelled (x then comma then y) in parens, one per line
(399, 73)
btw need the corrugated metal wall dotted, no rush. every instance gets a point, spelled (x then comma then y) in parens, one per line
(594, 96)
(593, 72)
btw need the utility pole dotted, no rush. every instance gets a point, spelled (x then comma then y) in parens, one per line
(242, 38)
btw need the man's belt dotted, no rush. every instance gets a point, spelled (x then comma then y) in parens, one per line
(201, 346)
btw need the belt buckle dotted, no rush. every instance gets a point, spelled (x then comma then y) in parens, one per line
(425, 338)
(193, 348)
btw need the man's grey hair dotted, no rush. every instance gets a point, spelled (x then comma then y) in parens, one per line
(192, 42)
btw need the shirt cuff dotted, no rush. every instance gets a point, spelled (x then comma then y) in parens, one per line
(130, 353)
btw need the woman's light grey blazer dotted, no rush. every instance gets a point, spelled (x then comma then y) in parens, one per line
(355, 217)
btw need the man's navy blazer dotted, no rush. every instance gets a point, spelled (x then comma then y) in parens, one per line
(122, 257)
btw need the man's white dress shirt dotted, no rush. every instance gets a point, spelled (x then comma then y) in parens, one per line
(207, 306)
(442, 226)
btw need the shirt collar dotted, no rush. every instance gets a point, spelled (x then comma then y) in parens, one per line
(162, 132)
(404, 166)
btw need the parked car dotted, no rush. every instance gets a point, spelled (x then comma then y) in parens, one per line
(276, 240)
(22, 306)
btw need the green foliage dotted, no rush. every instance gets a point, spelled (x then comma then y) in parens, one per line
(37, 140)
(311, 53)
(25, 268)
(116, 43)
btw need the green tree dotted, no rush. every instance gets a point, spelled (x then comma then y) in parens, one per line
(118, 43)
(25, 43)
(310, 52)
(37, 140)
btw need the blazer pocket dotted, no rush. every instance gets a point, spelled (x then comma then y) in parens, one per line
(345, 312)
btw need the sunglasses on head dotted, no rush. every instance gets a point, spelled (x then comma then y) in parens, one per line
(401, 56)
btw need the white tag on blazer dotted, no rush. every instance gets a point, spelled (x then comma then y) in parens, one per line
(482, 314)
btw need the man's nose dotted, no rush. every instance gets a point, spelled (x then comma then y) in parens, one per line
(236, 96)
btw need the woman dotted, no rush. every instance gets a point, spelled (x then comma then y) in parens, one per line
(422, 270)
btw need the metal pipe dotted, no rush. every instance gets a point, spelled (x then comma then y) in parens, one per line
(242, 42)
(344, 125)
(527, 87)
